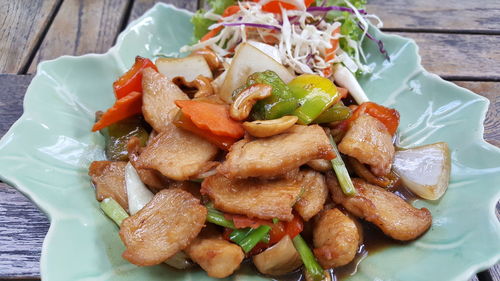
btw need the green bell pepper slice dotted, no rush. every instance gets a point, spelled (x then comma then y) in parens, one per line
(337, 112)
(117, 136)
(280, 103)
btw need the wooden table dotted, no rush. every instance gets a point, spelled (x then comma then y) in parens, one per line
(458, 40)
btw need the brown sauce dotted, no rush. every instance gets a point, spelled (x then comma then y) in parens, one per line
(374, 241)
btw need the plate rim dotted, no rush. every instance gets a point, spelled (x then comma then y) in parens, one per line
(43, 205)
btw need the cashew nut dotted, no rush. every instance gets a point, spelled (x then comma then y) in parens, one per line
(201, 83)
(212, 59)
(242, 105)
(267, 128)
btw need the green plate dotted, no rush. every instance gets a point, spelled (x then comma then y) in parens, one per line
(47, 151)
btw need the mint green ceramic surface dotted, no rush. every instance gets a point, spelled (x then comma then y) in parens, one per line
(47, 151)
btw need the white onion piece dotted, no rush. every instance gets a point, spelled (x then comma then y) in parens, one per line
(267, 49)
(425, 170)
(344, 78)
(138, 194)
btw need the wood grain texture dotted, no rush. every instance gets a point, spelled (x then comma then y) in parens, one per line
(11, 99)
(22, 230)
(22, 24)
(81, 27)
(141, 6)
(459, 56)
(491, 91)
(480, 16)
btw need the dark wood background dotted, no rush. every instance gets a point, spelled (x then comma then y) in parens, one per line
(458, 40)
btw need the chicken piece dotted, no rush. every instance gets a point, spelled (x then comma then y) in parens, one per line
(151, 178)
(320, 165)
(109, 180)
(369, 141)
(166, 225)
(314, 196)
(394, 216)
(177, 154)
(336, 239)
(218, 257)
(263, 199)
(276, 155)
(158, 100)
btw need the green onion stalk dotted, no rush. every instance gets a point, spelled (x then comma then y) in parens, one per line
(311, 264)
(113, 210)
(341, 172)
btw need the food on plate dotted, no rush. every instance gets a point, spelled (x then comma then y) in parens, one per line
(260, 145)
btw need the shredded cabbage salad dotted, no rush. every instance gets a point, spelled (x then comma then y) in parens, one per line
(306, 39)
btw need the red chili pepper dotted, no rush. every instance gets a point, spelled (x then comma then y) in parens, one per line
(131, 81)
(388, 116)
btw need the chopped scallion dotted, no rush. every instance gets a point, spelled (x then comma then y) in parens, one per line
(341, 172)
(312, 266)
(113, 210)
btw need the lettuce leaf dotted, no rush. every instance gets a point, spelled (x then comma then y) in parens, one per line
(200, 25)
(220, 5)
(349, 24)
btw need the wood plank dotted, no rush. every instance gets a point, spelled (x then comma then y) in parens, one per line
(22, 24)
(11, 99)
(459, 56)
(491, 91)
(22, 230)
(465, 16)
(141, 6)
(81, 27)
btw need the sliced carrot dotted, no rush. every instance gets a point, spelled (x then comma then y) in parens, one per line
(330, 53)
(275, 6)
(231, 10)
(212, 117)
(185, 123)
(132, 80)
(211, 33)
(123, 108)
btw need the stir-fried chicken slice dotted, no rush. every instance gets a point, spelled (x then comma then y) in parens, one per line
(153, 179)
(314, 194)
(166, 225)
(263, 199)
(218, 257)
(394, 216)
(320, 165)
(158, 100)
(109, 180)
(369, 141)
(336, 238)
(177, 154)
(276, 155)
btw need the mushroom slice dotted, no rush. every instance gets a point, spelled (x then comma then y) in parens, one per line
(279, 259)
(188, 67)
(165, 226)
